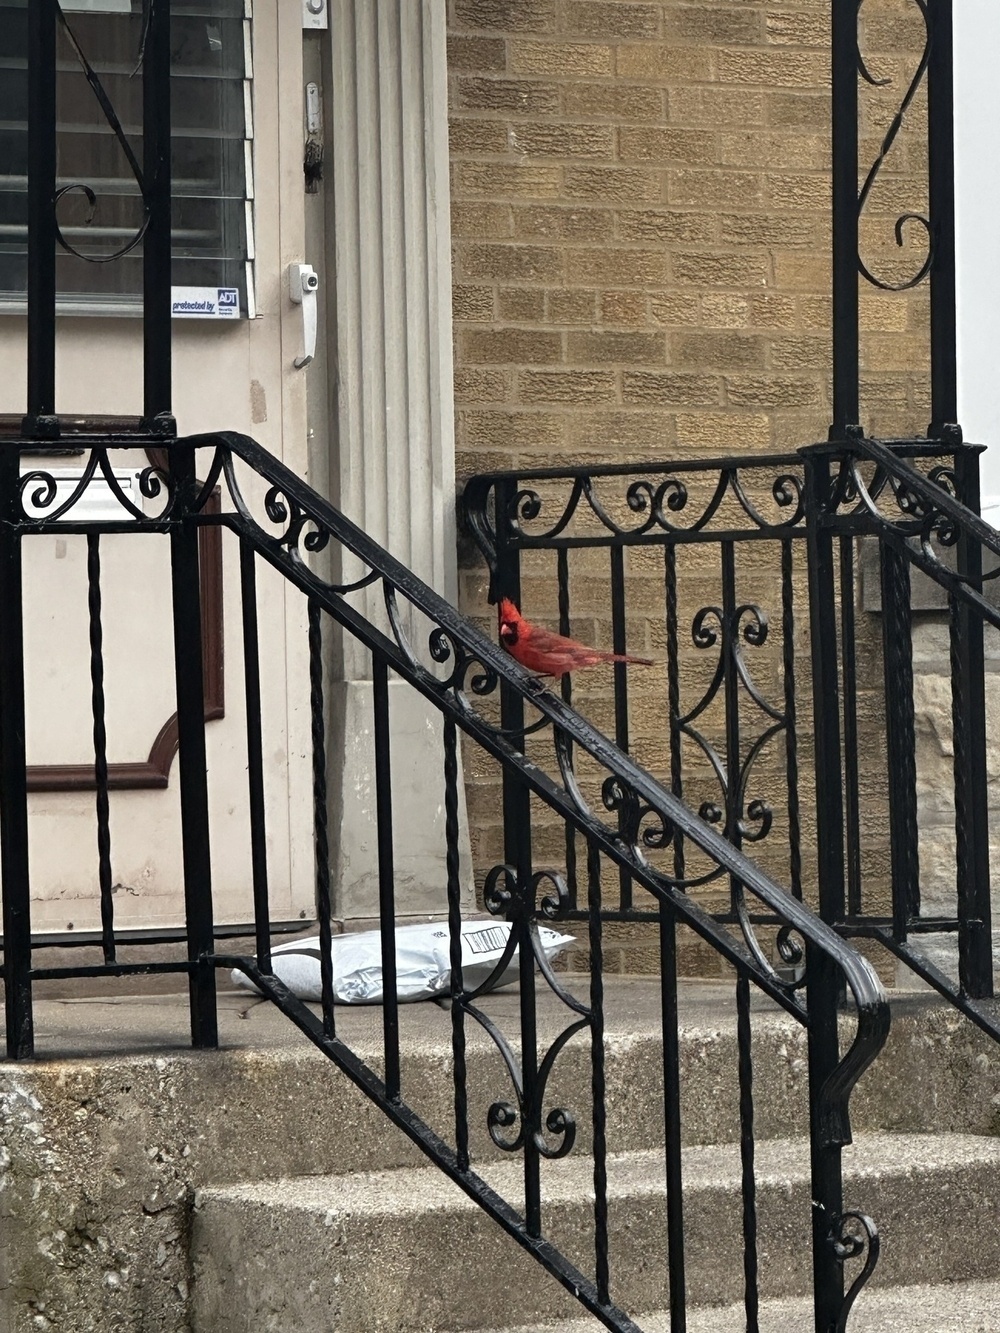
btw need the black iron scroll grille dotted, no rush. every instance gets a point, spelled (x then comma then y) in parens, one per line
(100, 213)
(51, 37)
(703, 563)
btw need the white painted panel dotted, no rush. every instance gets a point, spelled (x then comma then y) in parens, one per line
(227, 375)
(977, 151)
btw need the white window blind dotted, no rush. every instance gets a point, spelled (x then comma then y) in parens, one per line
(212, 133)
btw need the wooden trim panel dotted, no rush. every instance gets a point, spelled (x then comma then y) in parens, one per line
(154, 770)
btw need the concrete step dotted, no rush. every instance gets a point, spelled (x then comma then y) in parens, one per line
(118, 1121)
(956, 1307)
(260, 1107)
(406, 1251)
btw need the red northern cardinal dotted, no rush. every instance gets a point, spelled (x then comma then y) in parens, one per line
(548, 653)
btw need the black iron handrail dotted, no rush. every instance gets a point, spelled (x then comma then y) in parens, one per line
(312, 521)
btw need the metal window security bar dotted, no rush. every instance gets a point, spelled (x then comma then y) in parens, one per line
(100, 215)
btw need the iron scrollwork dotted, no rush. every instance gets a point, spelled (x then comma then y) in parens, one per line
(507, 894)
(115, 125)
(891, 134)
(659, 504)
(854, 1234)
(299, 533)
(640, 827)
(652, 816)
(747, 623)
(896, 500)
(38, 491)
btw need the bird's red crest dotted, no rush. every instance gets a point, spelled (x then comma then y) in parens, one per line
(510, 619)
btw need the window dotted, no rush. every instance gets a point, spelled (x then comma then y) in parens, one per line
(212, 129)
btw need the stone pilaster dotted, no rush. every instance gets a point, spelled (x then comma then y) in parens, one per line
(393, 465)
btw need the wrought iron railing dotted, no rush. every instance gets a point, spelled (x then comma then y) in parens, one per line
(916, 504)
(706, 560)
(617, 823)
(624, 821)
(792, 548)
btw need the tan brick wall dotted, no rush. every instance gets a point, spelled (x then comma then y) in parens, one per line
(641, 199)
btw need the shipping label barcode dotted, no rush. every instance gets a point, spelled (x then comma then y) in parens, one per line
(487, 941)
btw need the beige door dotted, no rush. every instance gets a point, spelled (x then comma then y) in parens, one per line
(234, 374)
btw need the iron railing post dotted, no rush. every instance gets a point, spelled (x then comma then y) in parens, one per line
(13, 774)
(826, 687)
(846, 378)
(825, 1157)
(968, 687)
(41, 421)
(941, 209)
(507, 583)
(156, 245)
(192, 761)
(900, 738)
(825, 983)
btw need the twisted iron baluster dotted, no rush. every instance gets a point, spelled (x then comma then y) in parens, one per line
(321, 841)
(597, 1084)
(386, 873)
(100, 745)
(452, 868)
(749, 1182)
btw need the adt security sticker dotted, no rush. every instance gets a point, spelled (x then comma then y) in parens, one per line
(205, 302)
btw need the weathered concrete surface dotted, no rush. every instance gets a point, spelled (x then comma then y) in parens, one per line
(106, 1137)
(960, 1307)
(362, 1255)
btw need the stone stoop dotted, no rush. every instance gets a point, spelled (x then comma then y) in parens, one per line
(958, 1307)
(407, 1252)
(146, 1188)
